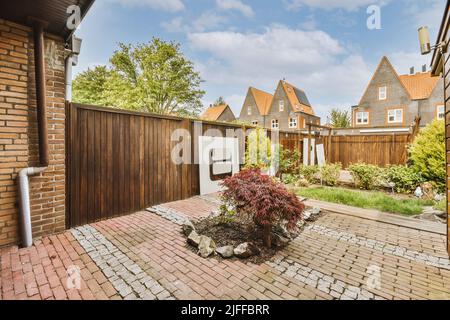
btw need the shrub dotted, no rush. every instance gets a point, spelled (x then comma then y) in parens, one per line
(330, 173)
(258, 151)
(264, 201)
(405, 178)
(289, 178)
(289, 160)
(365, 176)
(309, 173)
(427, 154)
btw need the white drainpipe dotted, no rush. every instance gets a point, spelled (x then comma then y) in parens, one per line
(69, 61)
(25, 212)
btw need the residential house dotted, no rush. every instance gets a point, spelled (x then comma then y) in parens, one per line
(393, 100)
(256, 107)
(288, 109)
(220, 112)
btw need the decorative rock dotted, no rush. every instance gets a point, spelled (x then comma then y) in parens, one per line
(206, 246)
(194, 239)
(246, 250)
(311, 213)
(187, 227)
(225, 251)
(279, 240)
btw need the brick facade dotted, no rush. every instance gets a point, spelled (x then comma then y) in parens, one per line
(18, 132)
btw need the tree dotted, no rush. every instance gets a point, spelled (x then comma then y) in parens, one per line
(340, 118)
(220, 101)
(427, 154)
(89, 86)
(153, 77)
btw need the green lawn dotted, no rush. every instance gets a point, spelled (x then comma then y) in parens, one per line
(365, 199)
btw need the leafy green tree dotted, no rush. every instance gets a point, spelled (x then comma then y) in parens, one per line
(427, 153)
(340, 118)
(89, 86)
(153, 77)
(219, 101)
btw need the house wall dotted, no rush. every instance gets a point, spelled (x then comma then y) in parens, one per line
(275, 113)
(396, 97)
(427, 108)
(255, 116)
(227, 116)
(18, 132)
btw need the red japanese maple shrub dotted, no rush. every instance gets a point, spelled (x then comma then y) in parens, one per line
(259, 197)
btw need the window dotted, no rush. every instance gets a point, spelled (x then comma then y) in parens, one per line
(440, 111)
(382, 93)
(293, 122)
(255, 122)
(395, 116)
(249, 111)
(281, 105)
(275, 124)
(362, 118)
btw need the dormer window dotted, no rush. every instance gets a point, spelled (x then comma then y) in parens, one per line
(249, 111)
(382, 93)
(281, 105)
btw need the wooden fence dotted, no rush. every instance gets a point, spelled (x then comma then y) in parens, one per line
(119, 162)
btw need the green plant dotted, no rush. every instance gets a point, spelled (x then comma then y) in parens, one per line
(309, 173)
(405, 178)
(340, 118)
(365, 199)
(263, 200)
(365, 176)
(329, 174)
(258, 151)
(427, 154)
(289, 178)
(441, 205)
(289, 160)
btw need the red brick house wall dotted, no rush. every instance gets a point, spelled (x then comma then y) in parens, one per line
(18, 132)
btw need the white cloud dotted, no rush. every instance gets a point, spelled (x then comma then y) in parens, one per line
(206, 21)
(237, 5)
(428, 13)
(403, 61)
(349, 5)
(311, 60)
(164, 5)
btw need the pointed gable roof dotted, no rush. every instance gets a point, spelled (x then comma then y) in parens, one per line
(297, 97)
(384, 59)
(420, 85)
(263, 100)
(214, 112)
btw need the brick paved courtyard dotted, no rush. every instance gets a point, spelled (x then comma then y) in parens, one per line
(145, 256)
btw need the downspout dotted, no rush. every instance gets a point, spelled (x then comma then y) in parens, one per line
(24, 174)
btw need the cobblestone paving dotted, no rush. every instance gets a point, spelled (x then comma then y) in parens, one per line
(169, 214)
(381, 246)
(130, 281)
(145, 256)
(325, 283)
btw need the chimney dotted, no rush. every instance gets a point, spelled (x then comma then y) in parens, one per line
(411, 70)
(424, 68)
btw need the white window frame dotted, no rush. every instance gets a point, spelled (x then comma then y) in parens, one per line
(438, 113)
(363, 116)
(293, 123)
(275, 124)
(394, 113)
(255, 122)
(249, 110)
(281, 105)
(382, 93)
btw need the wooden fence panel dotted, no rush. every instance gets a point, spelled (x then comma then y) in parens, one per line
(119, 162)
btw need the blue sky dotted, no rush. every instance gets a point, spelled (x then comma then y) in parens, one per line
(322, 46)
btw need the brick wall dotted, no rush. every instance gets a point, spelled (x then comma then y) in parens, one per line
(18, 132)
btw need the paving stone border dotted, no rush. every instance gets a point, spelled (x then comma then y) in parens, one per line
(210, 199)
(325, 283)
(130, 281)
(169, 214)
(381, 246)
